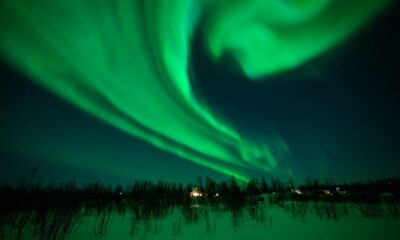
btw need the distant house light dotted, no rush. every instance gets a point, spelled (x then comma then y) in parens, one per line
(327, 192)
(340, 191)
(323, 192)
(297, 191)
(196, 193)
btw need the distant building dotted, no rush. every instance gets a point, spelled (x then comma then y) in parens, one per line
(297, 191)
(196, 193)
(323, 192)
(339, 191)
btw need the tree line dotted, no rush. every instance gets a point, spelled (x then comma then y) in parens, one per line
(211, 190)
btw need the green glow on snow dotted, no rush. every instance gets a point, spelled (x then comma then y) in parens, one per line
(126, 61)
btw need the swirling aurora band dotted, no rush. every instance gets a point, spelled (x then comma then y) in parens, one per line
(126, 62)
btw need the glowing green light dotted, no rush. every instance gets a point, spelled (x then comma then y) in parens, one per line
(267, 37)
(126, 61)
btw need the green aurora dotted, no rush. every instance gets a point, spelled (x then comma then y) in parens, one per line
(126, 62)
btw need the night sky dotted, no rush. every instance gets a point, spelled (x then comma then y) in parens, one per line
(337, 115)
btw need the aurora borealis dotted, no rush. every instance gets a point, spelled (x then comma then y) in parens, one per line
(128, 64)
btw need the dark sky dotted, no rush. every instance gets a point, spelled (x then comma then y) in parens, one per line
(338, 114)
